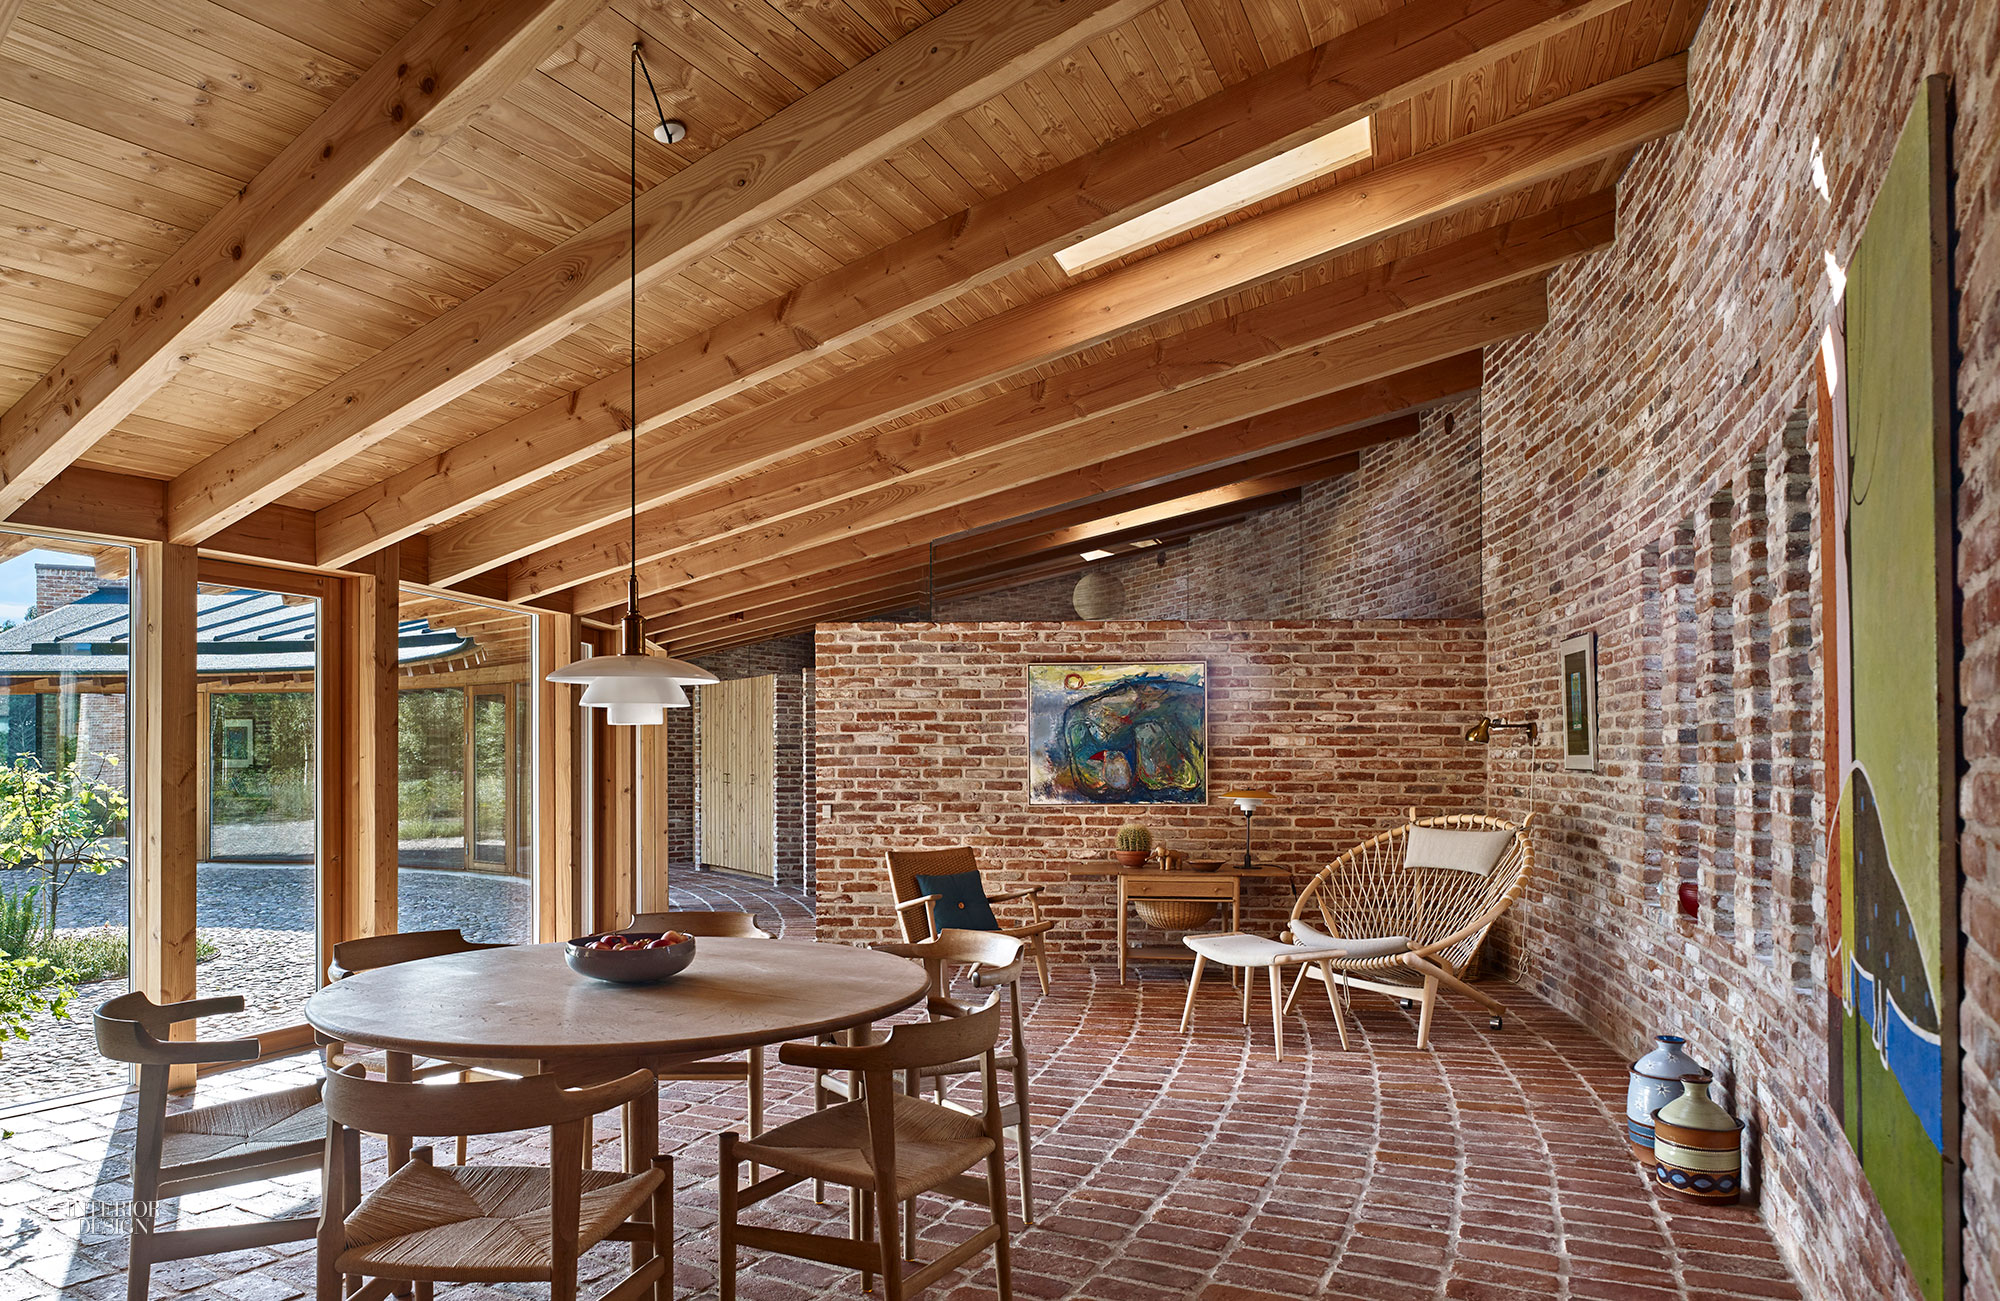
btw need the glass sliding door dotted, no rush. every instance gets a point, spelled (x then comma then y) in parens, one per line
(65, 864)
(258, 659)
(466, 850)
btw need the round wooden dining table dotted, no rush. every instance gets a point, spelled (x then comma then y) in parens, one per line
(520, 1008)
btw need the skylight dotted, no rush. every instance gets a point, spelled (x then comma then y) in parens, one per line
(1313, 159)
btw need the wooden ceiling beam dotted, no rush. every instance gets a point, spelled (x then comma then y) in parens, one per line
(997, 486)
(1229, 502)
(1406, 53)
(1310, 318)
(1592, 125)
(965, 546)
(1192, 447)
(454, 62)
(850, 608)
(952, 63)
(835, 586)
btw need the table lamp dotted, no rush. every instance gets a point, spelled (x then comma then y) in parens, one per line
(1247, 800)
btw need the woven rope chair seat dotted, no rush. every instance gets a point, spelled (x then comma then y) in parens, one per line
(932, 1144)
(479, 1223)
(248, 1125)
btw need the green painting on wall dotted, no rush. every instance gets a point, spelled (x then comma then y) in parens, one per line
(1892, 900)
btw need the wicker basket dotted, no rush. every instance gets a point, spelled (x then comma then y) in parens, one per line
(1174, 914)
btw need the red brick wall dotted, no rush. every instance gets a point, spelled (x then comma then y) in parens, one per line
(1648, 474)
(922, 741)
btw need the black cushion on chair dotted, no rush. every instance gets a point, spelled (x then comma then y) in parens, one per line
(961, 904)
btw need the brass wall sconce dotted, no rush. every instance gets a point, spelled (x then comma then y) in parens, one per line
(1482, 731)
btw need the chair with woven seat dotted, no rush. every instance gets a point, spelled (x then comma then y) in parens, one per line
(991, 962)
(352, 957)
(888, 1145)
(916, 908)
(216, 1146)
(719, 924)
(1404, 914)
(429, 1224)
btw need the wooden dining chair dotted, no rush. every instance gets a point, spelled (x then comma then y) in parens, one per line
(890, 1146)
(352, 957)
(218, 1146)
(989, 961)
(916, 907)
(719, 924)
(429, 1224)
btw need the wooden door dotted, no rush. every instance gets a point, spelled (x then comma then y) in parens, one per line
(738, 804)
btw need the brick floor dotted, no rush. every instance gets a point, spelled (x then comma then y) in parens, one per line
(1489, 1168)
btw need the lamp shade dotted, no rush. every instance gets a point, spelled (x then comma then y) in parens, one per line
(1248, 799)
(661, 667)
(657, 693)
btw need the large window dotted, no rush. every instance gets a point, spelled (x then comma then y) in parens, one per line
(257, 660)
(65, 863)
(465, 780)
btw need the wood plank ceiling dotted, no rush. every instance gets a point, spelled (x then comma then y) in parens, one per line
(300, 281)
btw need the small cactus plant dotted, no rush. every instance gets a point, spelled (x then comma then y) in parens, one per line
(1135, 839)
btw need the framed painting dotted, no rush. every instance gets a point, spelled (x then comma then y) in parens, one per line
(1118, 733)
(1892, 753)
(1578, 660)
(239, 742)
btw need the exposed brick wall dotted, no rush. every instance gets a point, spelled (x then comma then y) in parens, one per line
(789, 659)
(922, 738)
(1649, 474)
(1400, 537)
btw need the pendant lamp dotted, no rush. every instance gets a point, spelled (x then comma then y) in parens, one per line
(634, 689)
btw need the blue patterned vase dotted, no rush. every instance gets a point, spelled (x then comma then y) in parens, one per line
(1656, 1081)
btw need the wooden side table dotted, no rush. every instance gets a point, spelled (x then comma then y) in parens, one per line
(1222, 886)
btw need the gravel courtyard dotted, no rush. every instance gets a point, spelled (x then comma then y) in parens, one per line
(260, 918)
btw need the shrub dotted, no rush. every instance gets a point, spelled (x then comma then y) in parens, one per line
(102, 953)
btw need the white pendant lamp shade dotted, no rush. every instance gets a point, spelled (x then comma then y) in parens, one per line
(635, 668)
(635, 689)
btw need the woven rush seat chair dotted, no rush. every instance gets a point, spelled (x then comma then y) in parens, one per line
(990, 962)
(352, 957)
(216, 1146)
(888, 1145)
(719, 924)
(429, 1224)
(1403, 914)
(917, 908)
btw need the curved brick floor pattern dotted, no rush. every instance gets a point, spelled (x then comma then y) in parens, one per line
(1487, 1169)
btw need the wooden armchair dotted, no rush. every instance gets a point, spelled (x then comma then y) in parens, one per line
(351, 957)
(994, 962)
(1444, 914)
(432, 1224)
(916, 911)
(720, 924)
(216, 1146)
(888, 1145)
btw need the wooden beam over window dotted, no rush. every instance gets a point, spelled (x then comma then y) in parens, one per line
(439, 76)
(1405, 53)
(957, 60)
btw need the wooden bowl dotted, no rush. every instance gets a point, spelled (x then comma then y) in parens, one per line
(1205, 865)
(628, 966)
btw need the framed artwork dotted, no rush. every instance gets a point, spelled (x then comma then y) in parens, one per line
(1578, 657)
(1118, 733)
(1892, 744)
(239, 742)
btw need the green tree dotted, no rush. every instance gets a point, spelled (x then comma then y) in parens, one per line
(54, 821)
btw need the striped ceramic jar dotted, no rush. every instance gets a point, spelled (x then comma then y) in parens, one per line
(1697, 1146)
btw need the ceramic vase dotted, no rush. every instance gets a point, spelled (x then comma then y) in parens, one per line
(1656, 1081)
(1697, 1146)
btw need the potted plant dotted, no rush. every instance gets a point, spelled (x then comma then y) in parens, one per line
(1134, 843)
